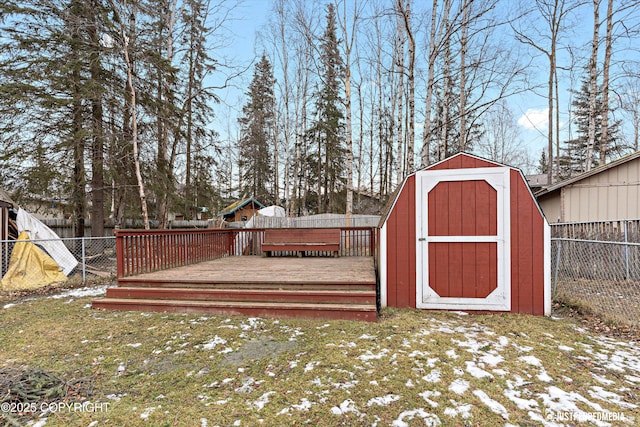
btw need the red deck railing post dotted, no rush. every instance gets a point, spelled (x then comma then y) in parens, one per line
(119, 255)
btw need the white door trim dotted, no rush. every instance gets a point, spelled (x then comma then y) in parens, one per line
(499, 179)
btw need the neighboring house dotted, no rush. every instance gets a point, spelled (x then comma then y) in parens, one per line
(608, 192)
(48, 207)
(537, 182)
(241, 210)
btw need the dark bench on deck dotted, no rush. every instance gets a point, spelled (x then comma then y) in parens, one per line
(301, 240)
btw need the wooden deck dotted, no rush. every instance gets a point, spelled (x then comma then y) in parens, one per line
(312, 287)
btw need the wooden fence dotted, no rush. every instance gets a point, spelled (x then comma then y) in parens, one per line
(623, 230)
(144, 251)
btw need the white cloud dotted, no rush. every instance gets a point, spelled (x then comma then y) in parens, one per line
(534, 118)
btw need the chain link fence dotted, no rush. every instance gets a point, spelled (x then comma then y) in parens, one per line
(602, 276)
(95, 256)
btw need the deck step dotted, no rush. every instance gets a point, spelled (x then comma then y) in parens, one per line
(366, 312)
(338, 296)
(275, 284)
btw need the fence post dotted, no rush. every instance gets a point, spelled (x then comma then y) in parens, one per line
(120, 258)
(555, 273)
(84, 263)
(626, 251)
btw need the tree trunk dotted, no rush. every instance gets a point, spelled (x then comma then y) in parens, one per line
(411, 102)
(443, 144)
(399, 104)
(425, 152)
(348, 43)
(165, 101)
(79, 181)
(77, 137)
(604, 132)
(132, 114)
(464, 29)
(97, 146)
(593, 86)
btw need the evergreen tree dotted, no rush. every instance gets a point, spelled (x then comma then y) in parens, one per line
(543, 164)
(574, 157)
(257, 135)
(49, 86)
(198, 102)
(327, 130)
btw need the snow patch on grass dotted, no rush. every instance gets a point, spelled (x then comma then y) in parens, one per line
(459, 386)
(458, 409)
(147, 412)
(558, 400)
(531, 360)
(383, 400)
(369, 355)
(263, 400)
(346, 407)
(523, 404)
(427, 395)
(212, 343)
(430, 420)
(477, 372)
(494, 405)
(608, 396)
(81, 292)
(309, 367)
(304, 405)
(433, 377)
(492, 359)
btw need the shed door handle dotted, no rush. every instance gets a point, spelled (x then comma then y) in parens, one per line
(422, 239)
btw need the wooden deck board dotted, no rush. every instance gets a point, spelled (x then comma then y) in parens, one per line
(352, 270)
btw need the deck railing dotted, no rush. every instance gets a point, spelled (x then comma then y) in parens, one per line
(144, 251)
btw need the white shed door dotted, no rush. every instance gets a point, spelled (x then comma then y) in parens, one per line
(463, 250)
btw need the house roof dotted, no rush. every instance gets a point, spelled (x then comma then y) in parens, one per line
(5, 199)
(239, 205)
(622, 160)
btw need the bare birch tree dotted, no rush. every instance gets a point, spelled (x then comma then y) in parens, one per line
(432, 53)
(606, 64)
(593, 85)
(130, 14)
(349, 34)
(553, 13)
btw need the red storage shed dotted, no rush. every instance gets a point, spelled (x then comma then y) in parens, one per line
(465, 234)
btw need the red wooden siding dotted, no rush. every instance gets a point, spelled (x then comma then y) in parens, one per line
(463, 162)
(452, 264)
(463, 208)
(401, 248)
(527, 243)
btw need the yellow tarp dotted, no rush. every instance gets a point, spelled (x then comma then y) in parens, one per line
(30, 268)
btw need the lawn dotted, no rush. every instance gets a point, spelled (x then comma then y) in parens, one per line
(409, 368)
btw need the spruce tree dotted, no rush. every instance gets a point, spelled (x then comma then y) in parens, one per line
(328, 128)
(574, 156)
(257, 135)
